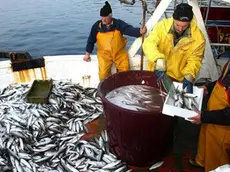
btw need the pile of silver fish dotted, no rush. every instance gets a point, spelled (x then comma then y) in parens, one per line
(185, 100)
(47, 137)
(137, 97)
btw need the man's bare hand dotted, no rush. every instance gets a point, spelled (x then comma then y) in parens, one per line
(196, 119)
(87, 57)
(143, 30)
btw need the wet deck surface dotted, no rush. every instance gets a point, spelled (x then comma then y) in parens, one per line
(185, 146)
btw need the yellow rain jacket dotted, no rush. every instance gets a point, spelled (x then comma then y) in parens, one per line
(111, 48)
(214, 140)
(185, 58)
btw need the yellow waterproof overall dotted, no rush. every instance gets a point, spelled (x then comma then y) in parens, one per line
(111, 49)
(214, 139)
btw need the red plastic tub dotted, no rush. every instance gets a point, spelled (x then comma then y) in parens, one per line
(138, 138)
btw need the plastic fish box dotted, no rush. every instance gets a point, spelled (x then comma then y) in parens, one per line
(28, 64)
(171, 110)
(39, 91)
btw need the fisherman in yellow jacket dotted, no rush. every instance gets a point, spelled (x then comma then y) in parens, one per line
(108, 33)
(176, 46)
(214, 140)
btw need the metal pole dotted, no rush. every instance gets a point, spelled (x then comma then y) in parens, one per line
(207, 13)
(175, 2)
(143, 35)
(220, 44)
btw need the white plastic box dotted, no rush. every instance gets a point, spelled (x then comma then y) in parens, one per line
(171, 110)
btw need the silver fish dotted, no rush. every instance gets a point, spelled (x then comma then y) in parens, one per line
(185, 100)
(47, 137)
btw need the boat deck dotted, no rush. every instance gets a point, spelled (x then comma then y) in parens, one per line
(185, 146)
(186, 134)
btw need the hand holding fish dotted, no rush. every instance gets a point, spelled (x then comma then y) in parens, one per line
(196, 119)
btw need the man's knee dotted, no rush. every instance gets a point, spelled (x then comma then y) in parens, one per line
(123, 65)
(121, 69)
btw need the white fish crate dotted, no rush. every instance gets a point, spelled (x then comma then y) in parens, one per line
(171, 110)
